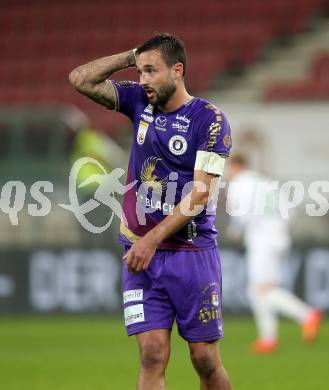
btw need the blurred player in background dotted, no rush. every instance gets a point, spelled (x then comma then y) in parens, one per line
(172, 263)
(91, 142)
(267, 240)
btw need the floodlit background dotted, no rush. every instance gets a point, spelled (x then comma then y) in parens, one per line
(266, 64)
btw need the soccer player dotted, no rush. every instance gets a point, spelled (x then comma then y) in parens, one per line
(172, 266)
(267, 240)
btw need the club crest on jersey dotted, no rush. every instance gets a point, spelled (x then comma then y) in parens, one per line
(214, 298)
(177, 145)
(142, 130)
(227, 141)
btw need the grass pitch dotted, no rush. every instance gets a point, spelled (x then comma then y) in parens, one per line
(94, 353)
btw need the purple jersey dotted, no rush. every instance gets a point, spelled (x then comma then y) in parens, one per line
(167, 148)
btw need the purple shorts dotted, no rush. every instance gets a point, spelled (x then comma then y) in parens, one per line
(178, 285)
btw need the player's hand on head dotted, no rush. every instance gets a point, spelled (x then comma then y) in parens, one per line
(139, 256)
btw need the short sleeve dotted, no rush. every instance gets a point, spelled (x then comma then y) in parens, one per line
(214, 141)
(128, 96)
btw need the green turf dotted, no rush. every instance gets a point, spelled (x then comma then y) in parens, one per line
(93, 353)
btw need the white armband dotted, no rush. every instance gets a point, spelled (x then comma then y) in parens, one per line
(209, 162)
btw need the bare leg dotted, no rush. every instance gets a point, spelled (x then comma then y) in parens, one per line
(206, 360)
(154, 350)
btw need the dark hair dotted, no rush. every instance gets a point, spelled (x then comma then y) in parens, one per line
(172, 49)
(239, 159)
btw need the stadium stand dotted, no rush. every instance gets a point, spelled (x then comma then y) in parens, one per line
(41, 42)
(314, 87)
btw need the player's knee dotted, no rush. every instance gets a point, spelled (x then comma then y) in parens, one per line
(203, 362)
(154, 354)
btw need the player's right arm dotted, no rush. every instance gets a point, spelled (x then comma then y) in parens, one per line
(91, 79)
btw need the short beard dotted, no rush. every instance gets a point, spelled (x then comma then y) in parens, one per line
(164, 94)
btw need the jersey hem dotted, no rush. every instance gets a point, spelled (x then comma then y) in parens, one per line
(175, 247)
(192, 339)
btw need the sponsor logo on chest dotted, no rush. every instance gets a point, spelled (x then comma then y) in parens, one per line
(147, 118)
(149, 109)
(160, 123)
(179, 127)
(182, 123)
(183, 118)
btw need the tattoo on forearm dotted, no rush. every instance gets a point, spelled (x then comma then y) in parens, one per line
(90, 79)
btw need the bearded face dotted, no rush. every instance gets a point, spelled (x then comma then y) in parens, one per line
(156, 77)
(161, 95)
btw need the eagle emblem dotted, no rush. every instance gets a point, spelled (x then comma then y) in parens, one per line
(148, 176)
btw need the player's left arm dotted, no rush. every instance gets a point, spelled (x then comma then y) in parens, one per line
(140, 254)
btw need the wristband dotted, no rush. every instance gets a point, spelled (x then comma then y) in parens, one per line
(134, 53)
